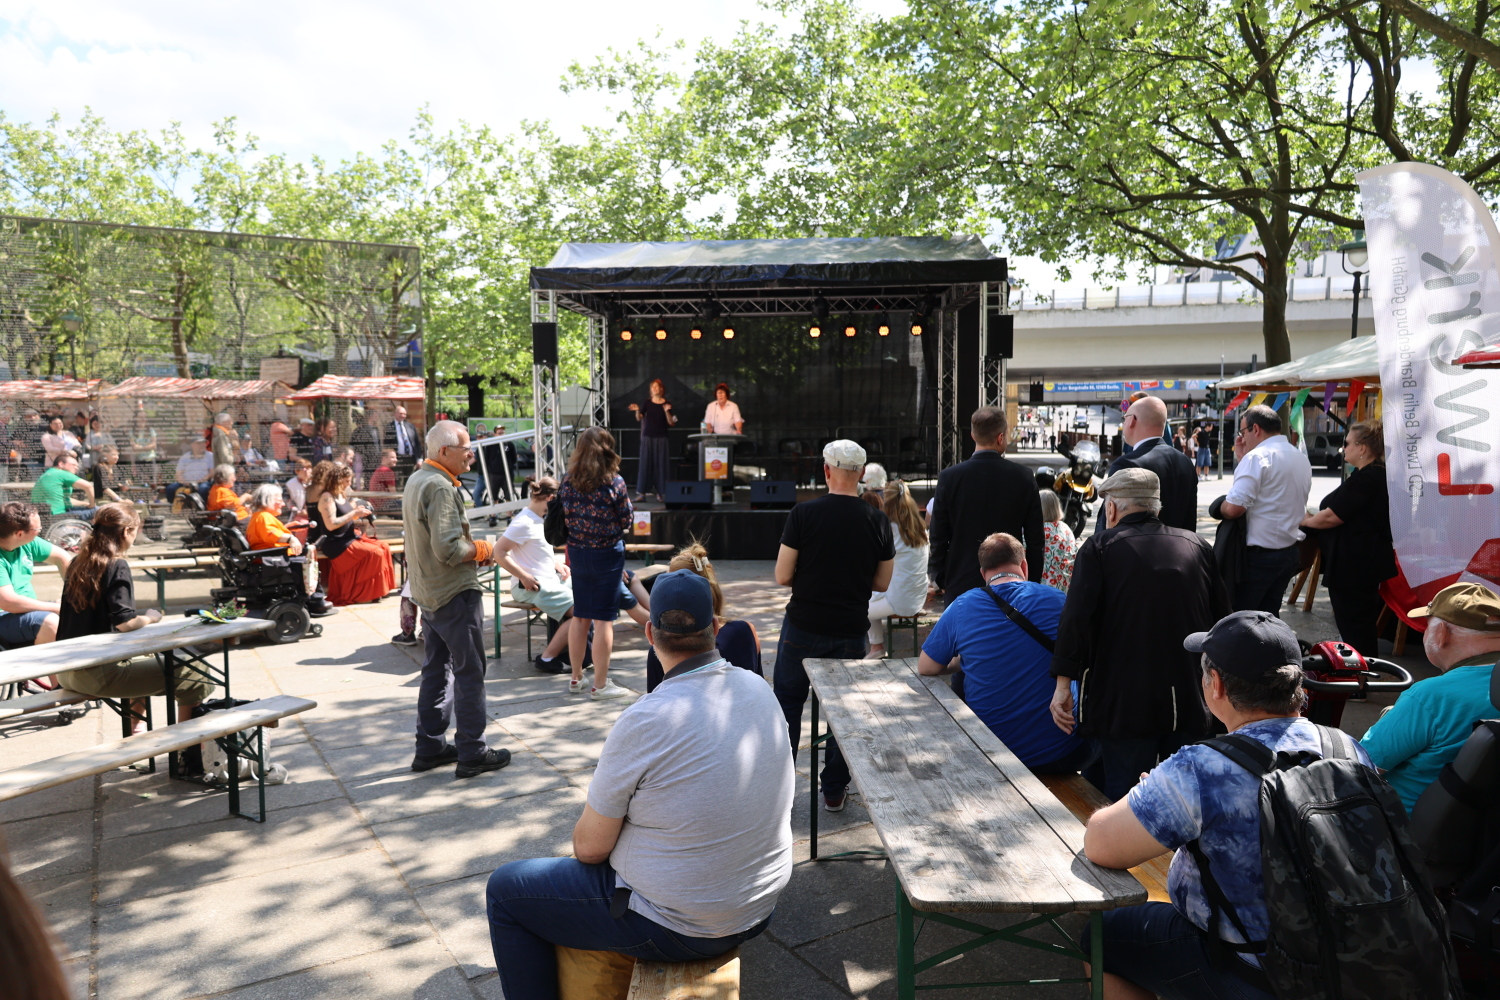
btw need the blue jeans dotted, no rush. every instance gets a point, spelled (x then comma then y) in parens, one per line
(452, 685)
(791, 685)
(1160, 950)
(537, 904)
(1263, 579)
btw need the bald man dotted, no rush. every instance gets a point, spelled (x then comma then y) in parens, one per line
(1142, 432)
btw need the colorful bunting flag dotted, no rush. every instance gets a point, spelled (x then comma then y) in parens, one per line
(1258, 398)
(1328, 388)
(1279, 398)
(1234, 403)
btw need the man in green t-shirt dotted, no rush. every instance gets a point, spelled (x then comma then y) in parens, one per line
(54, 488)
(24, 620)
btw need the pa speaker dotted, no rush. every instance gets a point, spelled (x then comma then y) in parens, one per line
(685, 493)
(1002, 336)
(544, 344)
(773, 494)
(1036, 393)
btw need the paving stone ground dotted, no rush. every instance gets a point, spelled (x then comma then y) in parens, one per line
(367, 880)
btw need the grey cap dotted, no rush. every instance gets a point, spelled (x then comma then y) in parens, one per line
(844, 454)
(1132, 484)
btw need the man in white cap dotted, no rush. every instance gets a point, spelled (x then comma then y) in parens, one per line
(835, 551)
(1138, 588)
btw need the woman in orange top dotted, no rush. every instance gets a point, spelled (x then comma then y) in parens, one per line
(221, 494)
(357, 568)
(265, 530)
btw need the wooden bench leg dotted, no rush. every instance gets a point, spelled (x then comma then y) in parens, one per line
(1399, 649)
(1312, 580)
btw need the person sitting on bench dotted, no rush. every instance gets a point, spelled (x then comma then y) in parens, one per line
(1201, 800)
(221, 494)
(54, 489)
(1007, 666)
(193, 470)
(1425, 729)
(99, 598)
(24, 620)
(686, 840)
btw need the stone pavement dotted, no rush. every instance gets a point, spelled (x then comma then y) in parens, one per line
(367, 879)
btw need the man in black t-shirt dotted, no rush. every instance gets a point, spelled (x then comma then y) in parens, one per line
(835, 551)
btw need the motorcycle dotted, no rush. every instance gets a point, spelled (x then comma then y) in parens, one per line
(1075, 486)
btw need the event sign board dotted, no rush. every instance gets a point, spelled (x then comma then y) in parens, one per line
(716, 462)
(1436, 295)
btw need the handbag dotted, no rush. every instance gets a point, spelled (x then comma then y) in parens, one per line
(555, 524)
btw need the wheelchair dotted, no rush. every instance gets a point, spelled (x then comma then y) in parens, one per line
(267, 583)
(65, 532)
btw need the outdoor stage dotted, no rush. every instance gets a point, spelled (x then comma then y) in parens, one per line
(728, 531)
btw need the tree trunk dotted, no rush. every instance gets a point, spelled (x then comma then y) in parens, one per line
(1273, 310)
(179, 316)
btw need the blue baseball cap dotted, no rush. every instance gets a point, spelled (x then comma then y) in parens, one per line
(1248, 644)
(685, 591)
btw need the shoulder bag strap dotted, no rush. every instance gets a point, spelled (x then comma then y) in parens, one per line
(1021, 620)
(1253, 755)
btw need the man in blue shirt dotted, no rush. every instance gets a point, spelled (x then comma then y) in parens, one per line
(1007, 682)
(1252, 682)
(1423, 731)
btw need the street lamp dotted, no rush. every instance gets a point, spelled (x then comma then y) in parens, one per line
(1356, 255)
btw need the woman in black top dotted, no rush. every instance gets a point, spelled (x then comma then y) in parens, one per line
(1355, 525)
(356, 566)
(99, 598)
(655, 417)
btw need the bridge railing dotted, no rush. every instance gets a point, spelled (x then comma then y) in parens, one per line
(1187, 293)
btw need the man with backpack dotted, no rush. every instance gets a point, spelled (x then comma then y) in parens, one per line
(1295, 876)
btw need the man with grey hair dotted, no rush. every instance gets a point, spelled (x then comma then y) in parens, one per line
(225, 440)
(1271, 481)
(1139, 588)
(443, 560)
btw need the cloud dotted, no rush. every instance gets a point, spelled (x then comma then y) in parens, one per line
(328, 77)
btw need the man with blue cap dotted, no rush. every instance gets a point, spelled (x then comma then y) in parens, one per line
(685, 842)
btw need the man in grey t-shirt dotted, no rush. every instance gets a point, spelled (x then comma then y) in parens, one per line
(686, 840)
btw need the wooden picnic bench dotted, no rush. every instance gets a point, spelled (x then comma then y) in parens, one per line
(155, 569)
(223, 726)
(965, 826)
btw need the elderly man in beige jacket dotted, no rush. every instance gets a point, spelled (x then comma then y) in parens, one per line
(443, 561)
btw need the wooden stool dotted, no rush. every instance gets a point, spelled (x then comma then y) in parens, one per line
(894, 622)
(710, 979)
(593, 975)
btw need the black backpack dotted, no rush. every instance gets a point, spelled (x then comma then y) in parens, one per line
(1351, 914)
(555, 524)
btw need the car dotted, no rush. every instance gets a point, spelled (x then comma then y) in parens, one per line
(1326, 449)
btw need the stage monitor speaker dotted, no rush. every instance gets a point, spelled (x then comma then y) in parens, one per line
(544, 344)
(1002, 336)
(1037, 393)
(688, 494)
(773, 494)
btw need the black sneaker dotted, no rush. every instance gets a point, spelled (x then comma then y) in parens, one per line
(556, 665)
(404, 638)
(493, 760)
(834, 800)
(448, 756)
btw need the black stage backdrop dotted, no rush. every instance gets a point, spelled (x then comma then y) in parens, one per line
(795, 393)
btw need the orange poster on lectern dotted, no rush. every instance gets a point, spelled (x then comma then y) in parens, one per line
(715, 463)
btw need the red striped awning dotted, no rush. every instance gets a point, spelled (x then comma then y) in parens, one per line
(380, 387)
(38, 388)
(158, 387)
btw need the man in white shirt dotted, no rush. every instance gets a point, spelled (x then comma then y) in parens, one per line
(1271, 484)
(193, 469)
(685, 843)
(723, 415)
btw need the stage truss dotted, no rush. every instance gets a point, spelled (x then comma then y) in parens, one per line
(952, 417)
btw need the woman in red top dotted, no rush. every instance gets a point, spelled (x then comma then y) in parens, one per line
(356, 566)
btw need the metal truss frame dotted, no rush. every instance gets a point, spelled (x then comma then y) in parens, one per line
(598, 408)
(544, 394)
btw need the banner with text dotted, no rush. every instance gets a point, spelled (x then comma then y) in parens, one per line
(1436, 295)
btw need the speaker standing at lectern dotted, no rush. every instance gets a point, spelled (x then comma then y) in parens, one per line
(723, 415)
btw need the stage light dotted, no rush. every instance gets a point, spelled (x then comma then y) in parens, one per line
(696, 332)
(661, 329)
(919, 315)
(819, 317)
(850, 329)
(883, 326)
(815, 331)
(626, 335)
(916, 325)
(728, 330)
(627, 330)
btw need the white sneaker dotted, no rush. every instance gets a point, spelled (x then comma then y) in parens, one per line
(578, 686)
(609, 690)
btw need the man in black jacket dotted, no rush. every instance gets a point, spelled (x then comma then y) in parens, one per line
(1142, 431)
(1138, 588)
(974, 500)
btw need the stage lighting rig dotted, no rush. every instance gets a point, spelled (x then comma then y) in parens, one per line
(728, 329)
(919, 315)
(706, 319)
(883, 325)
(851, 329)
(627, 330)
(661, 328)
(819, 317)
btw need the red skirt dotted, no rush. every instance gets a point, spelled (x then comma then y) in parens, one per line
(362, 573)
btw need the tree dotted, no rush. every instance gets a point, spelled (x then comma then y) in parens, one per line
(1450, 30)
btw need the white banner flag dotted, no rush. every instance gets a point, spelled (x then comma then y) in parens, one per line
(1436, 295)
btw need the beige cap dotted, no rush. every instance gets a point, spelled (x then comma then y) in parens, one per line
(844, 454)
(1469, 605)
(1132, 484)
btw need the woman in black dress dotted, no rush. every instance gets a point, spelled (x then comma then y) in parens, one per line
(655, 417)
(1355, 526)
